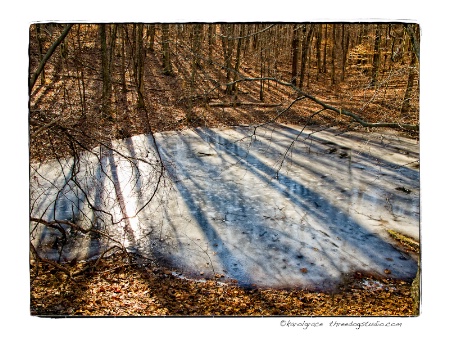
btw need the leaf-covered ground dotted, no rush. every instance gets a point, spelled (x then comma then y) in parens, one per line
(117, 289)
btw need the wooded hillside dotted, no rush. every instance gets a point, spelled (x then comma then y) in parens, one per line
(92, 82)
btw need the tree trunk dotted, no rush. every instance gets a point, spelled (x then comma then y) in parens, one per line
(333, 55)
(306, 41)
(261, 68)
(238, 59)
(359, 34)
(81, 82)
(151, 33)
(393, 40)
(345, 42)
(167, 65)
(324, 65)
(106, 75)
(413, 31)
(295, 52)
(139, 64)
(227, 44)
(211, 40)
(376, 56)
(406, 106)
(196, 45)
(40, 47)
(122, 63)
(318, 50)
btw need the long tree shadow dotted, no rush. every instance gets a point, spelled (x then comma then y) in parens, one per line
(238, 215)
(319, 141)
(331, 238)
(371, 178)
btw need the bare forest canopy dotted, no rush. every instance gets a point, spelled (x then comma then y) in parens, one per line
(90, 83)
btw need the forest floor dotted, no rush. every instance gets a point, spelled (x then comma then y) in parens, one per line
(118, 289)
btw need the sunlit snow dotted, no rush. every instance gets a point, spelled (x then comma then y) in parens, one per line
(240, 204)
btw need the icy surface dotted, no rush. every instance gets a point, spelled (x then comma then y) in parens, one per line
(252, 205)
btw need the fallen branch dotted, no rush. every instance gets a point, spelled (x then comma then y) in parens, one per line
(340, 111)
(237, 104)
